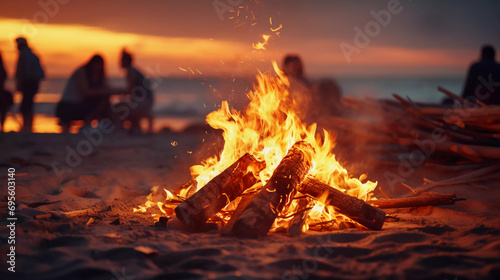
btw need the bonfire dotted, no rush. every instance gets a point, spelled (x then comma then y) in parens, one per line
(275, 173)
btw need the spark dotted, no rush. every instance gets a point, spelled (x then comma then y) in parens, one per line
(261, 45)
(277, 28)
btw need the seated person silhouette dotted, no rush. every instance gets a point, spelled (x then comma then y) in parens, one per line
(327, 98)
(483, 79)
(86, 95)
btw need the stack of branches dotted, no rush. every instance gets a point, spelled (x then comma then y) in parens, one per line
(466, 132)
(463, 137)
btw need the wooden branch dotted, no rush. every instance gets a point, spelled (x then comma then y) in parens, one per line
(469, 150)
(297, 222)
(455, 97)
(225, 187)
(244, 202)
(353, 207)
(258, 217)
(426, 199)
(473, 176)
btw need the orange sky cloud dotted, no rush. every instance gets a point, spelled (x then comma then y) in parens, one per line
(64, 47)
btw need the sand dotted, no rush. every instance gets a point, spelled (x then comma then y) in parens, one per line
(448, 242)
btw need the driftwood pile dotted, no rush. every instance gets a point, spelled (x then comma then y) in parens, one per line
(463, 137)
(465, 132)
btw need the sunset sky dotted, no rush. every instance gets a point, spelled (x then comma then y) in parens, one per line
(424, 38)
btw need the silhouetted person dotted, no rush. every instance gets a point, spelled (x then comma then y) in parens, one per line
(29, 73)
(326, 98)
(5, 96)
(483, 79)
(86, 95)
(138, 94)
(300, 87)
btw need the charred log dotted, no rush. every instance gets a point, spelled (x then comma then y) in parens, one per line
(225, 187)
(258, 217)
(354, 208)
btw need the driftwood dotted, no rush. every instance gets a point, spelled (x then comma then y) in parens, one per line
(354, 208)
(225, 187)
(258, 217)
(426, 199)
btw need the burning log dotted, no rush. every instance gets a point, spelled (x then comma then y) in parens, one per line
(258, 217)
(354, 208)
(225, 187)
(244, 202)
(297, 222)
(427, 199)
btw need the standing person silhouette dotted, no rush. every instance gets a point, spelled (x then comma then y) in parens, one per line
(5, 96)
(29, 73)
(138, 92)
(483, 79)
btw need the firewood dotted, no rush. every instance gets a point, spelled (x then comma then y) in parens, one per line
(258, 217)
(245, 200)
(426, 199)
(353, 207)
(76, 213)
(455, 97)
(465, 113)
(297, 222)
(469, 150)
(217, 193)
(473, 176)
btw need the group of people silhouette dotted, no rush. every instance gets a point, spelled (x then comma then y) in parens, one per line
(86, 96)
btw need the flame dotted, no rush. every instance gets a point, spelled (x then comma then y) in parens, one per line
(267, 129)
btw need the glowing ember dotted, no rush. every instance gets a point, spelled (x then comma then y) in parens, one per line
(267, 129)
(261, 45)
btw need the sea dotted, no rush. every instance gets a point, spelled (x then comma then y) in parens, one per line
(182, 102)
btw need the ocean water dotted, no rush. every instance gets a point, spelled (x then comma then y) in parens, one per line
(180, 102)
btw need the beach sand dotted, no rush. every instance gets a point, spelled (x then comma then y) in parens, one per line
(449, 242)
